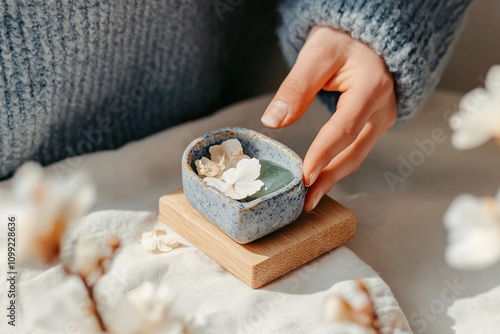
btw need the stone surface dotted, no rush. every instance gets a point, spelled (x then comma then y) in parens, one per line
(274, 177)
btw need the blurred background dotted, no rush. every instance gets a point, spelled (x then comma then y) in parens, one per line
(478, 48)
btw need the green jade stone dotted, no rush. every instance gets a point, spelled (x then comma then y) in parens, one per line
(274, 177)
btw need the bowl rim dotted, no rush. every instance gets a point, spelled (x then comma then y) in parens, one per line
(243, 206)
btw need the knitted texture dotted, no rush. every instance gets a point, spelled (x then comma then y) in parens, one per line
(413, 37)
(81, 76)
(78, 76)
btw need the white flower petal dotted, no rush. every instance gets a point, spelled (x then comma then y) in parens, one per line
(239, 182)
(208, 168)
(151, 306)
(474, 132)
(159, 240)
(493, 79)
(229, 176)
(473, 101)
(217, 154)
(474, 232)
(149, 242)
(465, 210)
(479, 116)
(216, 183)
(89, 253)
(233, 161)
(235, 194)
(223, 152)
(248, 188)
(27, 181)
(164, 248)
(147, 235)
(169, 240)
(232, 147)
(474, 249)
(247, 170)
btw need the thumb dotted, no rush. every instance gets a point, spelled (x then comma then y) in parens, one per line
(313, 69)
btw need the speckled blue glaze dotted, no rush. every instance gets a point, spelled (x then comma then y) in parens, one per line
(244, 222)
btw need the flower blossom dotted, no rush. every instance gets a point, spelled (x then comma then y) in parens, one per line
(144, 310)
(479, 117)
(43, 208)
(239, 182)
(225, 151)
(90, 256)
(208, 168)
(337, 309)
(159, 241)
(222, 157)
(474, 232)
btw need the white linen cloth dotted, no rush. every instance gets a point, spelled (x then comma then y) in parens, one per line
(479, 314)
(133, 178)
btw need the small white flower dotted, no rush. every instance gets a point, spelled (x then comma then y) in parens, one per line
(159, 241)
(90, 256)
(44, 207)
(151, 303)
(234, 160)
(227, 149)
(145, 310)
(208, 168)
(222, 157)
(479, 117)
(474, 232)
(239, 182)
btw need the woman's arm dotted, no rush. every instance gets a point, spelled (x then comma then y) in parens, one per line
(367, 50)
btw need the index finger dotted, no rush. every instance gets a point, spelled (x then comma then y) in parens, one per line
(315, 65)
(354, 109)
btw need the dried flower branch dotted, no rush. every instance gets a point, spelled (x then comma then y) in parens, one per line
(144, 310)
(337, 309)
(46, 207)
(370, 307)
(91, 261)
(93, 305)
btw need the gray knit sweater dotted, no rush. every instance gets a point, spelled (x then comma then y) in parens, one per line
(77, 76)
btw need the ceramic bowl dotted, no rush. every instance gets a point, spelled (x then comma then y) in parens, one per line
(244, 221)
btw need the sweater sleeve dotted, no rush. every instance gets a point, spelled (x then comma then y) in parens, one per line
(414, 38)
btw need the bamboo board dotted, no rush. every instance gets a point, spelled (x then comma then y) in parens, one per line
(261, 261)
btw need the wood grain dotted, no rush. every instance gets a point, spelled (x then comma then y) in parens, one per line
(261, 261)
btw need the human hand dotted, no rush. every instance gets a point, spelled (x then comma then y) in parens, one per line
(334, 61)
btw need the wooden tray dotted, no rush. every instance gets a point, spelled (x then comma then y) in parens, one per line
(261, 261)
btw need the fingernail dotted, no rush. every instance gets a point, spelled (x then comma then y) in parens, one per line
(316, 199)
(313, 176)
(275, 114)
